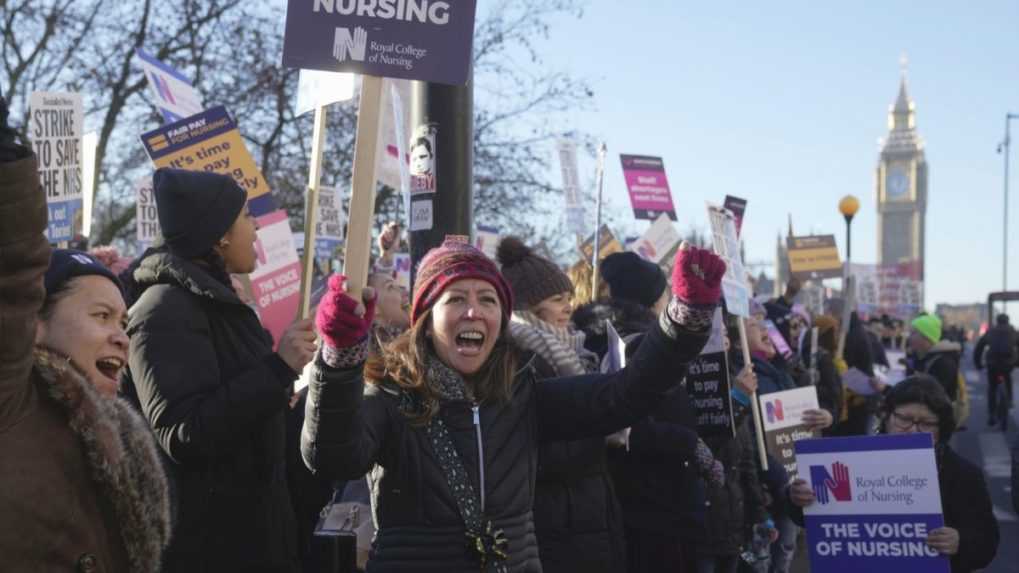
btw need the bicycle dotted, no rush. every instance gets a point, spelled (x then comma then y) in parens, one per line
(1002, 401)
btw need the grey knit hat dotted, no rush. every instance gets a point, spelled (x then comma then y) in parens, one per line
(532, 278)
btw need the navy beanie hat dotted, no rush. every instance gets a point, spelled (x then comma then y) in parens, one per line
(66, 264)
(632, 278)
(195, 208)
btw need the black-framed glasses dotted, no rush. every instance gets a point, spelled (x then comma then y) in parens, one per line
(906, 423)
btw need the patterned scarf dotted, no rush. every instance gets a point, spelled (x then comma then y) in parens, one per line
(563, 348)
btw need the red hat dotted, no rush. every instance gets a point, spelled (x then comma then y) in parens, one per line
(453, 261)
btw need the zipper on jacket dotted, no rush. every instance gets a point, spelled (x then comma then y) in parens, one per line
(481, 453)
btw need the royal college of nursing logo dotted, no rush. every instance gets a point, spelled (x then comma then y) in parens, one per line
(774, 411)
(834, 486)
(350, 45)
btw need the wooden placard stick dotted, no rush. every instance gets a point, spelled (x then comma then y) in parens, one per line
(357, 249)
(754, 406)
(318, 140)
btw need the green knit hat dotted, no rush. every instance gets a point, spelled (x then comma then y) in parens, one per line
(929, 326)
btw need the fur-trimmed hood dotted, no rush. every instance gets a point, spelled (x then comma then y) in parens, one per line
(121, 454)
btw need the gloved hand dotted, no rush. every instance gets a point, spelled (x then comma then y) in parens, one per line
(343, 322)
(697, 275)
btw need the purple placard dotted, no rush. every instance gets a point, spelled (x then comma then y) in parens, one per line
(649, 189)
(428, 40)
(738, 207)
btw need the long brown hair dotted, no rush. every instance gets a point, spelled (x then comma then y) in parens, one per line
(404, 361)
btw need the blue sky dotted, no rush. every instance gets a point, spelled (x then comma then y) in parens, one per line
(783, 103)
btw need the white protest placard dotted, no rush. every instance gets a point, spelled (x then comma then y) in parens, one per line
(783, 423)
(171, 90)
(393, 129)
(146, 216)
(317, 88)
(658, 241)
(421, 215)
(401, 264)
(726, 245)
(575, 216)
(329, 223)
(486, 240)
(614, 361)
(56, 126)
(878, 498)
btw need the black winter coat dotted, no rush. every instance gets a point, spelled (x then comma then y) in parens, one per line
(577, 518)
(656, 480)
(734, 508)
(942, 363)
(204, 374)
(351, 429)
(967, 507)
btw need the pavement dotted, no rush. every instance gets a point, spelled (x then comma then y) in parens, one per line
(990, 449)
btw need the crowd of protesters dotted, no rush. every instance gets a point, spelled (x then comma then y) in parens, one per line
(149, 422)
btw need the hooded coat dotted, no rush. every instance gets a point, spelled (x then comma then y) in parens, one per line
(204, 374)
(81, 487)
(351, 429)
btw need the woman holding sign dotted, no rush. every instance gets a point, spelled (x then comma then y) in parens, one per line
(449, 420)
(970, 535)
(204, 373)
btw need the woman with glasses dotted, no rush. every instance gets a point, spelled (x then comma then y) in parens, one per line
(970, 536)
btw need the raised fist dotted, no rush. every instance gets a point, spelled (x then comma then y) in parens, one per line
(343, 322)
(697, 275)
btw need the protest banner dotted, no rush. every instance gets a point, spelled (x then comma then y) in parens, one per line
(276, 280)
(814, 257)
(707, 383)
(607, 244)
(737, 296)
(614, 361)
(783, 423)
(486, 240)
(888, 289)
(394, 125)
(575, 217)
(658, 242)
(171, 90)
(726, 245)
(648, 187)
(316, 88)
(413, 39)
(401, 264)
(878, 497)
(55, 127)
(738, 207)
(329, 223)
(211, 142)
(777, 339)
(146, 215)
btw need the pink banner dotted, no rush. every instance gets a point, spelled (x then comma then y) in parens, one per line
(649, 189)
(276, 282)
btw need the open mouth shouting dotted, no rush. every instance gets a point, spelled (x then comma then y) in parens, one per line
(110, 368)
(470, 342)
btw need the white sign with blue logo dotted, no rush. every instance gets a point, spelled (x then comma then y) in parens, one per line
(877, 500)
(171, 90)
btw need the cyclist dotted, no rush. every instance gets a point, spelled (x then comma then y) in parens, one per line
(1000, 343)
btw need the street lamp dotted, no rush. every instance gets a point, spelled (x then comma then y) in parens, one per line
(848, 206)
(1003, 148)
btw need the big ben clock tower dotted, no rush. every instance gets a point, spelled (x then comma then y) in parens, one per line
(902, 190)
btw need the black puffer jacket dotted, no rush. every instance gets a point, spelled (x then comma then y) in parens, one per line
(735, 507)
(967, 507)
(350, 430)
(204, 374)
(576, 515)
(657, 482)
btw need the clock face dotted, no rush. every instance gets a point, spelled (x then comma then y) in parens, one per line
(896, 183)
